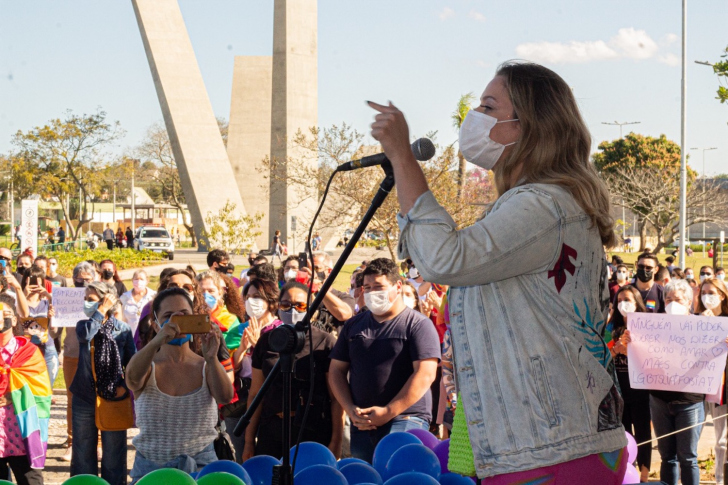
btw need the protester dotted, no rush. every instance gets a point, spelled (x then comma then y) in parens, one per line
(264, 271)
(217, 296)
(720, 273)
(26, 402)
(706, 272)
(120, 242)
(129, 238)
(550, 224)
(670, 263)
(83, 275)
(636, 414)
(109, 237)
(217, 260)
(114, 347)
(109, 274)
(39, 305)
(662, 276)
(134, 300)
(171, 382)
(325, 422)
(651, 292)
(53, 276)
(620, 279)
(714, 303)
(41, 261)
(689, 275)
(672, 410)
(289, 270)
(23, 264)
(390, 354)
(677, 274)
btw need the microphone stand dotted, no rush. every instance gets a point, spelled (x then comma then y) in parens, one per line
(288, 340)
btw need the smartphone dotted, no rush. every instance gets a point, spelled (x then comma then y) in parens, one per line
(192, 323)
(34, 281)
(302, 260)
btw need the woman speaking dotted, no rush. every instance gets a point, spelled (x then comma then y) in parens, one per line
(529, 293)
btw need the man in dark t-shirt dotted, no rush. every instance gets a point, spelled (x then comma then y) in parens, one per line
(652, 293)
(390, 354)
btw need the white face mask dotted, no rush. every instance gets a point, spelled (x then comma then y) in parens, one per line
(378, 301)
(409, 301)
(703, 277)
(626, 307)
(256, 307)
(720, 276)
(352, 293)
(676, 308)
(475, 143)
(689, 276)
(290, 274)
(621, 276)
(413, 273)
(710, 301)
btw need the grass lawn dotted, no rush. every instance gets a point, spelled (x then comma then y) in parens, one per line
(695, 261)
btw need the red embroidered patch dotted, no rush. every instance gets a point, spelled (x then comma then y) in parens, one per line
(563, 264)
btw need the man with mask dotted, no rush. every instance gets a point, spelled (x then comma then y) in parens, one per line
(25, 417)
(218, 260)
(83, 274)
(706, 272)
(652, 293)
(390, 354)
(290, 269)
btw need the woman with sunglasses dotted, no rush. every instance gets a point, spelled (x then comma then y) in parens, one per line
(325, 422)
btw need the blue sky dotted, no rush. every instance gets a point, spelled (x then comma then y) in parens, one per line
(621, 58)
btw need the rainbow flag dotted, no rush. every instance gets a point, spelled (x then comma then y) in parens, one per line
(26, 379)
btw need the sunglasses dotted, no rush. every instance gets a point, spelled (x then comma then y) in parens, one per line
(706, 274)
(189, 288)
(287, 305)
(4, 258)
(646, 268)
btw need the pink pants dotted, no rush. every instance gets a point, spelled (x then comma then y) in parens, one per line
(601, 469)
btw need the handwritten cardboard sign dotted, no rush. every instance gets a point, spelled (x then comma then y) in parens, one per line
(676, 352)
(68, 304)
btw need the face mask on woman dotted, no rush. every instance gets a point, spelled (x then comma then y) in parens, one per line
(409, 301)
(621, 276)
(675, 308)
(139, 284)
(291, 317)
(90, 307)
(210, 300)
(179, 340)
(474, 139)
(711, 301)
(107, 274)
(413, 273)
(256, 307)
(378, 301)
(626, 307)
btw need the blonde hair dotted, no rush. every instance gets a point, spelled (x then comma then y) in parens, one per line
(211, 275)
(722, 289)
(554, 146)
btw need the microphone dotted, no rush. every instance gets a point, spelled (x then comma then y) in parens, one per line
(423, 149)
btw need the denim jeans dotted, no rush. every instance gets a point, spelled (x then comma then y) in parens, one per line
(679, 448)
(85, 440)
(364, 442)
(52, 362)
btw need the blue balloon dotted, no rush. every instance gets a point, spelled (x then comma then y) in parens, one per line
(358, 473)
(412, 478)
(454, 479)
(414, 458)
(387, 446)
(345, 461)
(260, 469)
(319, 475)
(226, 466)
(312, 453)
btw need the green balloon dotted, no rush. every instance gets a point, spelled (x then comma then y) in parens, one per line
(83, 480)
(5, 482)
(220, 478)
(167, 476)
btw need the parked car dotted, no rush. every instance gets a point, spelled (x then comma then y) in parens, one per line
(154, 238)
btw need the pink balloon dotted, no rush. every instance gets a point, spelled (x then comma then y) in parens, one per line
(631, 448)
(631, 476)
(428, 439)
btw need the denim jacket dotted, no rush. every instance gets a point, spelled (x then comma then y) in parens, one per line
(528, 308)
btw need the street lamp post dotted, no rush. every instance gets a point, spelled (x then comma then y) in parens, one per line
(704, 150)
(683, 134)
(133, 198)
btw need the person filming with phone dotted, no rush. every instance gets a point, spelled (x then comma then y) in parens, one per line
(176, 391)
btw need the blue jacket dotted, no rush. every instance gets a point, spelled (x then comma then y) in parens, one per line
(83, 385)
(528, 308)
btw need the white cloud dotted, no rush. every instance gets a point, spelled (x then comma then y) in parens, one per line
(669, 59)
(565, 53)
(629, 43)
(475, 15)
(446, 13)
(634, 44)
(669, 39)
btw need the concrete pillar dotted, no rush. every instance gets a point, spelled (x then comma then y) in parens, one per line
(249, 135)
(207, 178)
(294, 107)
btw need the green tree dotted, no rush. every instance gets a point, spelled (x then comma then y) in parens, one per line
(231, 231)
(63, 157)
(643, 175)
(458, 116)
(720, 69)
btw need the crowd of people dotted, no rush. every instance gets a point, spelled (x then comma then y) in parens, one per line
(376, 353)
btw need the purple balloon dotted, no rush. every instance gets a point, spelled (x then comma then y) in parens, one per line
(631, 476)
(631, 448)
(442, 450)
(428, 439)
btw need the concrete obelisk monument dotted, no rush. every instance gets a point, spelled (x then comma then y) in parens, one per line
(207, 178)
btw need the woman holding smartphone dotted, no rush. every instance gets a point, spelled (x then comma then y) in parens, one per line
(39, 305)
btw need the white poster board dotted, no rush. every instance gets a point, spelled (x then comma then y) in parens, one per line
(676, 352)
(68, 305)
(29, 226)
